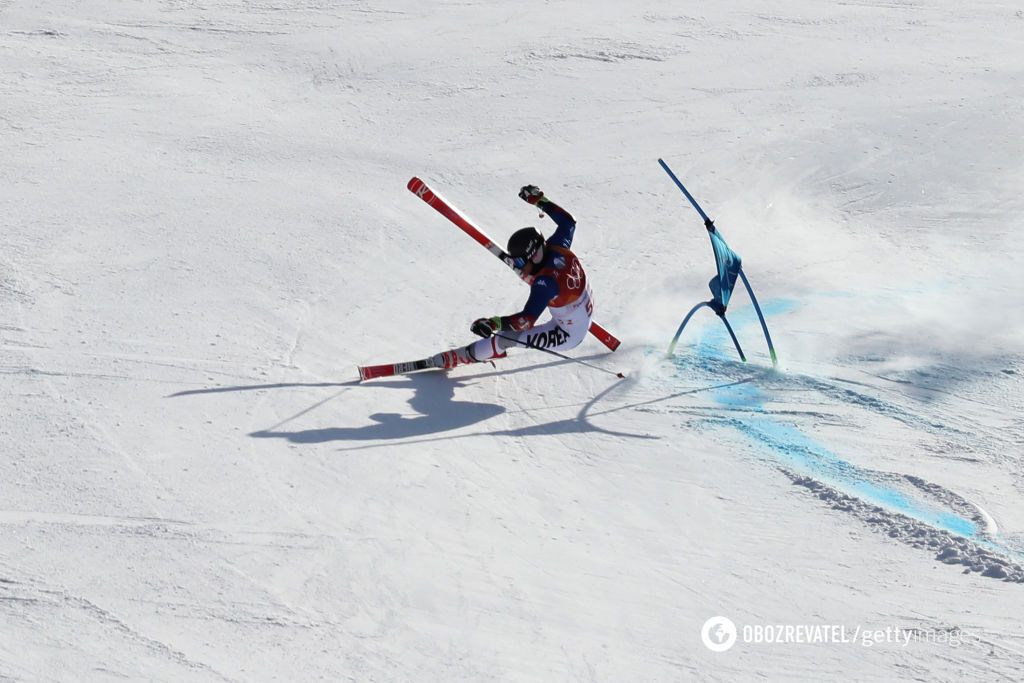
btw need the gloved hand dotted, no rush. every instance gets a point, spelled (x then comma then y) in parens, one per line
(531, 194)
(485, 327)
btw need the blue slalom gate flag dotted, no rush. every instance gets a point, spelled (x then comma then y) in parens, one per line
(729, 265)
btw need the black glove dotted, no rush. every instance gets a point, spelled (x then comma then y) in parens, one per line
(531, 194)
(485, 327)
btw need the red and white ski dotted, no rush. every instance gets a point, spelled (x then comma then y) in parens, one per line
(443, 207)
(368, 372)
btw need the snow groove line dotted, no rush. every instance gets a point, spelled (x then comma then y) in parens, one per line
(35, 592)
(876, 405)
(158, 646)
(36, 372)
(237, 612)
(171, 529)
(73, 519)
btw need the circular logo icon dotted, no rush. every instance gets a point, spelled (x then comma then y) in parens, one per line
(718, 634)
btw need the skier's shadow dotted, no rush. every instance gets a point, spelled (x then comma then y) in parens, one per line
(433, 398)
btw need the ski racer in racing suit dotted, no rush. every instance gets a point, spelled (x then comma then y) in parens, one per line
(558, 283)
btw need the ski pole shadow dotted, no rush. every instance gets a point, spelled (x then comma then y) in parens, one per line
(433, 398)
(680, 394)
(357, 383)
(529, 369)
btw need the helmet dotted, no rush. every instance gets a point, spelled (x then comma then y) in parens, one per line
(524, 243)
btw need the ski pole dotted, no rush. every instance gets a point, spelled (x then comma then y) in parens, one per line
(562, 356)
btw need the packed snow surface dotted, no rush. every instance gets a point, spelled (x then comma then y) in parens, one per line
(205, 229)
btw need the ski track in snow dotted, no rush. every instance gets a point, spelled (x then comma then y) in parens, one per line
(904, 507)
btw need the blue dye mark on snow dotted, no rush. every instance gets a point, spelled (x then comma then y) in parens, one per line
(712, 339)
(797, 450)
(769, 308)
(806, 456)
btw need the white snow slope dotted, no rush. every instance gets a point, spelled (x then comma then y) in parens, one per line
(205, 228)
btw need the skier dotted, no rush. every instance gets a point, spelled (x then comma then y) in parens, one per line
(557, 282)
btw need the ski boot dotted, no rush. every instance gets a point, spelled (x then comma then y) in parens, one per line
(456, 357)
